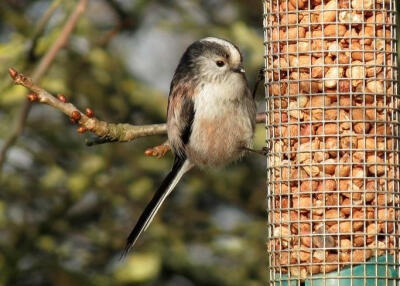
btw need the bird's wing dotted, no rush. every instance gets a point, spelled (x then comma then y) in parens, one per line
(180, 167)
(180, 120)
(180, 114)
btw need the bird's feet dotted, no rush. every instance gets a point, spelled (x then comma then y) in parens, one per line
(263, 152)
(261, 74)
(260, 77)
(158, 151)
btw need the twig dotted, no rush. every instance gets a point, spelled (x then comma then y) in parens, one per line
(46, 16)
(61, 40)
(40, 28)
(39, 71)
(125, 21)
(159, 150)
(107, 132)
(112, 132)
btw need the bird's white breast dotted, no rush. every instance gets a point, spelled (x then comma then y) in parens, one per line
(222, 125)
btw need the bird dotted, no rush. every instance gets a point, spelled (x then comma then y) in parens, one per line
(211, 117)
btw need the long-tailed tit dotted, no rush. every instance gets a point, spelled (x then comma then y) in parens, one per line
(211, 116)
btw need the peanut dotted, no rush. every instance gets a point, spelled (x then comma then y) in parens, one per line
(304, 152)
(376, 165)
(345, 244)
(360, 255)
(328, 166)
(344, 257)
(377, 247)
(378, 19)
(299, 4)
(358, 224)
(308, 186)
(301, 254)
(343, 227)
(328, 13)
(331, 114)
(289, 19)
(303, 62)
(280, 63)
(332, 76)
(343, 169)
(350, 17)
(303, 203)
(295, 33)
(320, 255)
(311, 170)
(283, 233)
(362, 4)
(294, 111)
(331, 263)
(327, 129)
(335, 30)
(356, 72)
(359, 240)
(298, 271)
(320, 156)
(375, 87)
(372, 230)
(332, 216)
(386, 214)
(317, 70)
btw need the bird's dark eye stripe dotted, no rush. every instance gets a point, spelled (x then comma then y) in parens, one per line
(220, 63)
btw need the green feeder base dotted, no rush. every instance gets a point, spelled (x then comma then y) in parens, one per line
(375, 272)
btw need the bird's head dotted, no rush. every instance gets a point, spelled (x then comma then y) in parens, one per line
(212, 59)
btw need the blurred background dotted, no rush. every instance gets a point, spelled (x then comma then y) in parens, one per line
(65, 208)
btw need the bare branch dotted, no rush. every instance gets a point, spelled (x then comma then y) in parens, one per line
(39, 71)
(40, 28)
(125, 20)
(112, 132)
(160, 150)
(41, 24)
(60, 42)
(107, 132)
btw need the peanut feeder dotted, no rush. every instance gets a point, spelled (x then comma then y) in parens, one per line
(333, 135)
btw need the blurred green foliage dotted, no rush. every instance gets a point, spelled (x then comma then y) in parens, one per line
(66, 209)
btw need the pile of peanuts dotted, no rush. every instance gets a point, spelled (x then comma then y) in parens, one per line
(332, 128)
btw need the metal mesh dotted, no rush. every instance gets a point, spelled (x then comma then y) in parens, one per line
(333, 136)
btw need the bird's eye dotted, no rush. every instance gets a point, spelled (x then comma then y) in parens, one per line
(220, 63)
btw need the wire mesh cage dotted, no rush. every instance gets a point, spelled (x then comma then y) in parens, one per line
(333, 135)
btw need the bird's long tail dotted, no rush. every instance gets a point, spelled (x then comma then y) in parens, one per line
(180, 167)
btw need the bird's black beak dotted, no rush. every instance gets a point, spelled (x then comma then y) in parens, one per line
(239, 69)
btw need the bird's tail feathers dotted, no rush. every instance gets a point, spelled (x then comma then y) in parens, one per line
(180, 167)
